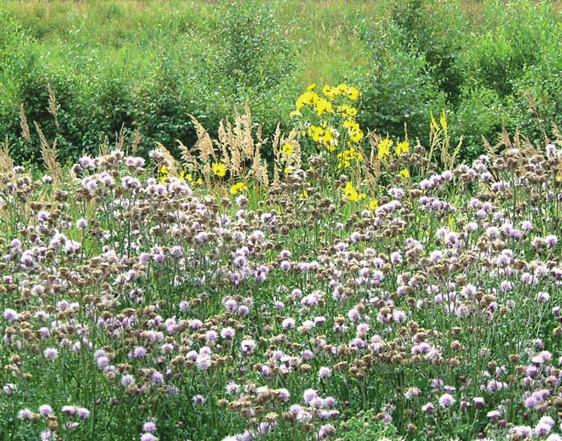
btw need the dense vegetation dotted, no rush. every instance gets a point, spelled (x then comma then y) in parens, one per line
(198, 244)
(145, 67)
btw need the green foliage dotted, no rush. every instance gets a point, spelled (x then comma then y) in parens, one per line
(479, 113)
(398, 88)
(253, 53)
(150, 67)
(365, 427)
(436, 32)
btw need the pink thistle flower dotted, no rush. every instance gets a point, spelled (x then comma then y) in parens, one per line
(149, 426)
(288, 323)
(69, 410)
(148, 437)
(227, 333)
(139, 352)
(25, 414)
(45, 410)
(198, 400)
(446, 400)
(247, 346)
(542, 429)
(324, 372)
(50, 353)
(309, 395)
(427, 408)
(11, 315)
(82, 412)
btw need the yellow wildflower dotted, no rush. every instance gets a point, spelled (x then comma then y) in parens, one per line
(402, 148)
(288, 148)
(303, 195)
(323, 105)
(342, 89)
(404, 174)
(352, 93)
(374, 204)
(238, 188)
(443, 121)
(329, 91)
(355, 134)
(294, 113)
(384, 148)
(163, 174)
(351, 193)
(311, 87)
(310, 98)
(347, 110)
(219, 169)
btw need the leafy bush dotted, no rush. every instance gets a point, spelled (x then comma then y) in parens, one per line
(479, 113)
(513, 39)
(398, 88)
(253, 53)
(436, 32)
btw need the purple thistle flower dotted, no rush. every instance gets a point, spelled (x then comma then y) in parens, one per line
(446, 400)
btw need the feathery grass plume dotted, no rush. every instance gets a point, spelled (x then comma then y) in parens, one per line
(277, 154)
(49, 155)
(557, 134)
(205, 146)
(53, 107)
(24, 125)
(137, 138)
(282, 160)
(104, 149)
(120, 138)
(170, 162)
(6, 162)
(240, 150)
(374, 163)
(533, 109)
(188, 159)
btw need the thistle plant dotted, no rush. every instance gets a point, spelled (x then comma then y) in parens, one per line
(138, 305)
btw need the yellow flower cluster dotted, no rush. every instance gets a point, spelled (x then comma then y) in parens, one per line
(384, 148)
(325, 134)
(352, 194)
(347, 156)
(386, 144)
(350, 92)
(402, 148)
(238, 188)
(163, 174)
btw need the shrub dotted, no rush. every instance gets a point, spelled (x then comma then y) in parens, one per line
(398, 88)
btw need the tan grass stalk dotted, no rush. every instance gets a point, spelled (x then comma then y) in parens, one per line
(24, 125)
(137, 138)
(6, 162)
(171, 164)
(189, 160)
(204, 143)
(120, 138)
(104, 148)
(53, 107)
(49, 155)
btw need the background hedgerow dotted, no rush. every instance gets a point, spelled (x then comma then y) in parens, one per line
(147, 67)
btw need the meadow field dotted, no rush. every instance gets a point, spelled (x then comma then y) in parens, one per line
(324, 243)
